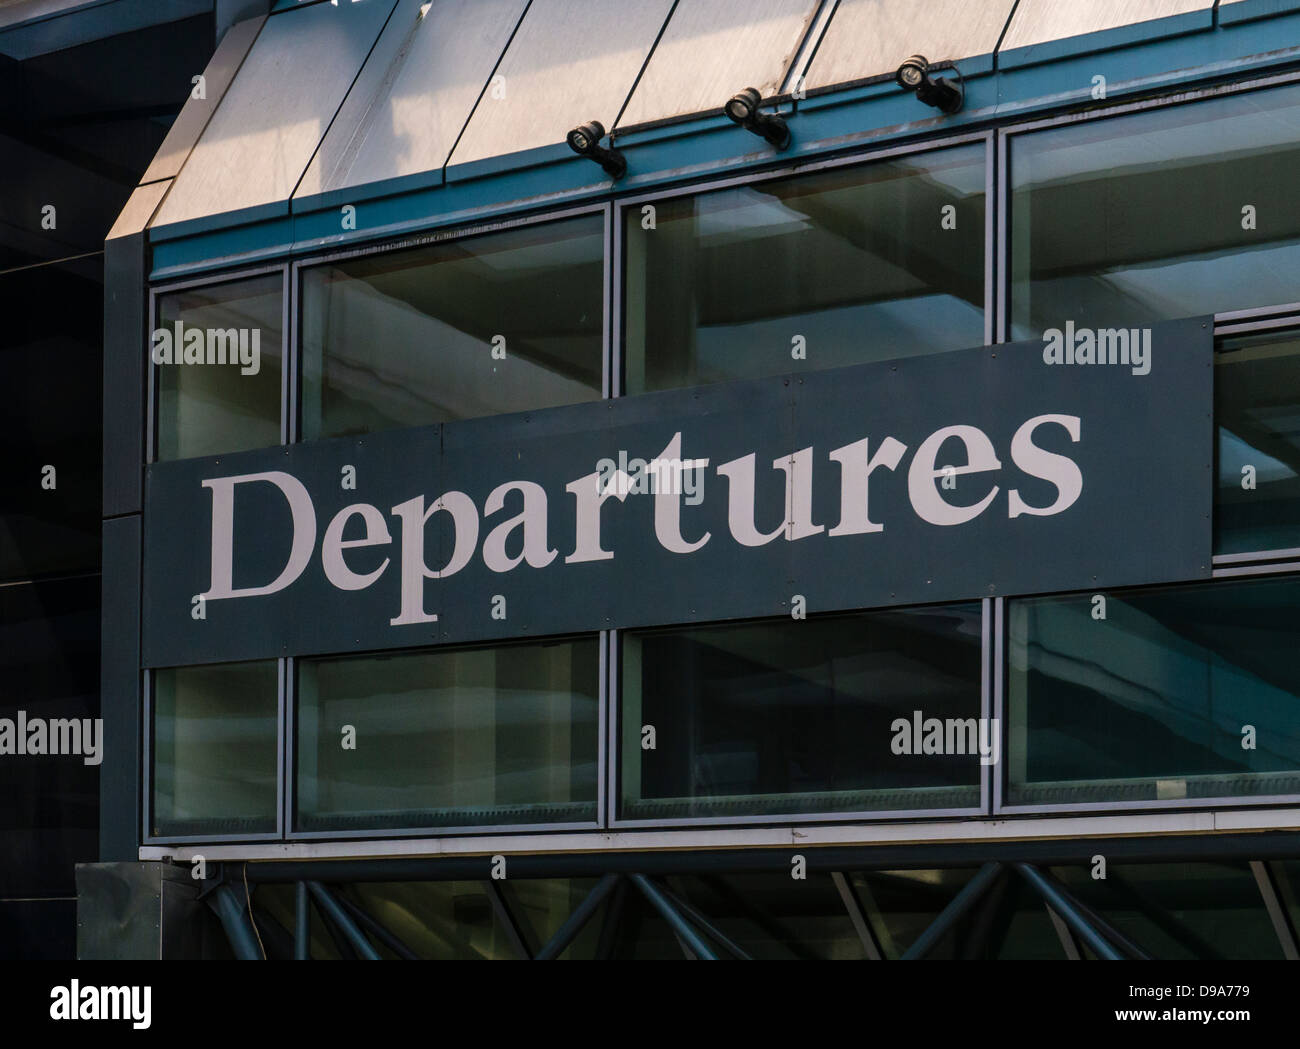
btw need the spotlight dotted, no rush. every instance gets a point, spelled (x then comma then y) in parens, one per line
(585, 141)
(742, 109)
(943, 94)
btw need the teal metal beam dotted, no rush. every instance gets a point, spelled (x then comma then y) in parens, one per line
(692, 939)
(232, 910)
(955, 911)
(302, 924)
(372, 926)
(574, 923)
(1066, 906)
(703, 923)
(343, 922)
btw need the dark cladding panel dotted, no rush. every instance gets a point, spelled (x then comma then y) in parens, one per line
(50, 404)
(124, 355)
(80, 125)
(119, 813)
(49, 664)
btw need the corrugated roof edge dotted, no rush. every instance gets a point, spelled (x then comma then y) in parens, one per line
(692, 148)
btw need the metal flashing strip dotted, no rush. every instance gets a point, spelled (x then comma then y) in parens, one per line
(272, 117)
(707, 54)
(870, 38)
(1044, 30)
(1210, 827)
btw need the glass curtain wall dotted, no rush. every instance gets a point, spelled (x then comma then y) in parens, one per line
(449, 737)
(819, 270)
(829, 714)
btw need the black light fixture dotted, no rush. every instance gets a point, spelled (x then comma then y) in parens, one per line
(943, 94)
(585, 141)
(742, 109)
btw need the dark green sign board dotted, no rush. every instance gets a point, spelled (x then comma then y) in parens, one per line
(1080, 461)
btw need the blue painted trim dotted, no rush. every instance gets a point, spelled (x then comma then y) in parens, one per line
(524, 158)
(222, 220)
(389, 187)
(222, 248)
(1250, 10)
(293, 5)
(1108, 39)
(708, 146)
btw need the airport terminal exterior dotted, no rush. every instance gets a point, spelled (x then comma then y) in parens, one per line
(843, 505)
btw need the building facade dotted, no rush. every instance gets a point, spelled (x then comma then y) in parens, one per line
(686, 478)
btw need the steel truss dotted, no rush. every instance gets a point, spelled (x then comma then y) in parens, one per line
(1082, 931)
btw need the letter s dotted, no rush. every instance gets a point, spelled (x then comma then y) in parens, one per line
(1059, 470)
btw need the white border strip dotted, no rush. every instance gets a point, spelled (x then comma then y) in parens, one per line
(804, 835)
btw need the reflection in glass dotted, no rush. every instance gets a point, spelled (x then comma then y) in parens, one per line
(484, 325)
(215, 744)
(779, 716)
(860, 263)
(1172, 212)
(1151, 702)
(1257, 415)
(210, 408)
(454, 737)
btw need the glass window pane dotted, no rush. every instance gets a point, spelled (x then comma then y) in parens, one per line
(1257, 418)
(504, 322)
(1100, 230)
(780, 716)
(219, 382)
(860, 263)
(1152, 702)
(449, 737)
(215, 748)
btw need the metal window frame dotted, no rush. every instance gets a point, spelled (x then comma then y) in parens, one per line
(620, 823)
(435, 831)
(147, 837)
(212, 280)
(793, 169)
(1187, 805)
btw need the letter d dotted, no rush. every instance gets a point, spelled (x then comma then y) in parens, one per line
(223, 533)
